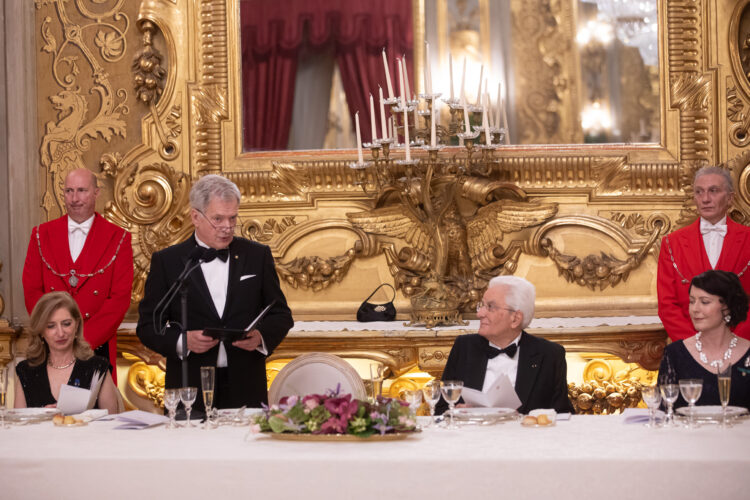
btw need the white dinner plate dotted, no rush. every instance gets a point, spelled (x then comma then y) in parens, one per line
(482, 415)
(711, 412)
(29, 415)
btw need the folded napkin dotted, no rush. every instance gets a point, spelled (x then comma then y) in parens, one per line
(639, 415)
(138, 419)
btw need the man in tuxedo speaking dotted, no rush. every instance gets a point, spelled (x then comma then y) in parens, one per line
(714, 241)
(536, 367)
(234, 279)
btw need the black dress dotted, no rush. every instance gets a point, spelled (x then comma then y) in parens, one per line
(35, 382)
(678, 363)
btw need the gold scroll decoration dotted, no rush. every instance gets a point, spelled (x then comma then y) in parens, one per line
(738, 95)
(603, 270)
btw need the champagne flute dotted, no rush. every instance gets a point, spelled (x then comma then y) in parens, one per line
(669, 393)
(3, 395)
(431, 393)
(724, 375)
(691, 389)
(171, 400)
(187, 396)
(652, 398)
(451, 391)
(208, 376)
(376, 378)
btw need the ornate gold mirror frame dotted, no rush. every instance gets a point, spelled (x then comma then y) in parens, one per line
(591, 253)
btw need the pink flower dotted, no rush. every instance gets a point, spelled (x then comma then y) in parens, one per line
(344, 407)
(333, 426)
(310, 403)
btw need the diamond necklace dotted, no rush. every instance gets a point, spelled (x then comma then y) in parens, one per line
(63, 366)
(715, 363)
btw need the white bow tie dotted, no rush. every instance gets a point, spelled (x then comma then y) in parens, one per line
(718, 228)
(73, 227)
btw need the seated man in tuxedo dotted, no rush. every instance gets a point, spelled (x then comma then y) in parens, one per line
(536, 367)
(227, 291)
(714, 241)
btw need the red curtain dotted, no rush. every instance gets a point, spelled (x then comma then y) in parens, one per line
(272, 33)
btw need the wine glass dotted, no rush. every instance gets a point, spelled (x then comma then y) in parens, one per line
(691, 389)
(652, 398)
(171, 400)
(187, 396)
(208, 376)
(377, 373)
(724, 375)
(414, 398)
(451, 391)
(431, 393)
(3, 394)
(669, 393)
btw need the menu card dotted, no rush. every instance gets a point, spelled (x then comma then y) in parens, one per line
(500, 394)
(139, 419)
(74, 400)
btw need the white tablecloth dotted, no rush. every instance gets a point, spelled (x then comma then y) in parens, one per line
(585, 457)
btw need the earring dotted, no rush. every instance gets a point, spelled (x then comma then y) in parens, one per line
(727, 318)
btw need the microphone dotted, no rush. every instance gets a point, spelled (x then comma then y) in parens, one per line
(196, 254)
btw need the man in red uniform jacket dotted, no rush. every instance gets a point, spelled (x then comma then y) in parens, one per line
(83, 254)
(713, 241)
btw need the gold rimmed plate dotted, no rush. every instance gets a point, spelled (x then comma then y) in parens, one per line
(288, 436)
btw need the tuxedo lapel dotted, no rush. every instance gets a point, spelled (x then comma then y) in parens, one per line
(529, 363)
(477, 364)
(198, 281)
(236, 265)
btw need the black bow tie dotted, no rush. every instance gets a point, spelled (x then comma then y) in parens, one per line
(494, 351)
(223, 254)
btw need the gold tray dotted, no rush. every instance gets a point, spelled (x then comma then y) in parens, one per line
(287, 436)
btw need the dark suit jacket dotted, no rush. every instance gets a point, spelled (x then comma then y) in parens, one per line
(245, 299)
(541, 380)
(691, 259)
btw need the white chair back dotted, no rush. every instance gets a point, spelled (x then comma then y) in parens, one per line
(316, 373)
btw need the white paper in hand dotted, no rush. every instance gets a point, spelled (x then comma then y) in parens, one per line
(500, 394)
(73, 400)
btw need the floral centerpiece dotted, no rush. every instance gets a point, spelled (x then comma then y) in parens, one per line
(333, 413)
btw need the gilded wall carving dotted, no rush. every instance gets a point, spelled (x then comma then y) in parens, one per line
(148, 91)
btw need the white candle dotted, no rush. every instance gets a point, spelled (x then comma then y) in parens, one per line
(406, 113)
(467, 126)
(427, 70)
(406, 79)
(499, 100)
(479, 90)
(392, 128)
(401, 82)
(432, 124)
(383, 128)
(360, 160)
(372, 121)
(485, 121)
(450, 70)
(505, 122)
(462, 95)
(493, 123)
(387, 76)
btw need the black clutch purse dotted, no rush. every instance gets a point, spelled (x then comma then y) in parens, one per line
(377, 312)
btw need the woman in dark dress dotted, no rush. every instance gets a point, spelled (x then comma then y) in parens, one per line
(717, 304)
(58, 355)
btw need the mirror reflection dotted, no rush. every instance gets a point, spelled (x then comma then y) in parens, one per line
(562, 72)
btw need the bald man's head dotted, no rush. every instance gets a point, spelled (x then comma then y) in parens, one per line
(80, 192)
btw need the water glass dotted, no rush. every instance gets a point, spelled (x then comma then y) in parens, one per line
(414, 398)
(3, 395)
(208, 377)
(724, 375)
(451, 391)
(652, 398)
(171, 401)
(431, 393)
(187, 396)
(669, 393)
(691, 389)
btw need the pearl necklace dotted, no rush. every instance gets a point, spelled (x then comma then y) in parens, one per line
(63, 366)
(715, 363)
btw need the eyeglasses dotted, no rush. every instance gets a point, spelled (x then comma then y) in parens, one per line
(493, 308)
(220, 223)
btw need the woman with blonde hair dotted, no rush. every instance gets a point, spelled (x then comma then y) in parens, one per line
(58, 355)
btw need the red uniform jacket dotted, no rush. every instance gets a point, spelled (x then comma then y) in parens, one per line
(103, 298)
(691, 259)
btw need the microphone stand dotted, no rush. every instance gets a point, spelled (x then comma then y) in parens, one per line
(183, 329)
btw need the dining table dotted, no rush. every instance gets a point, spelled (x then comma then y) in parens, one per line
(585, 456)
